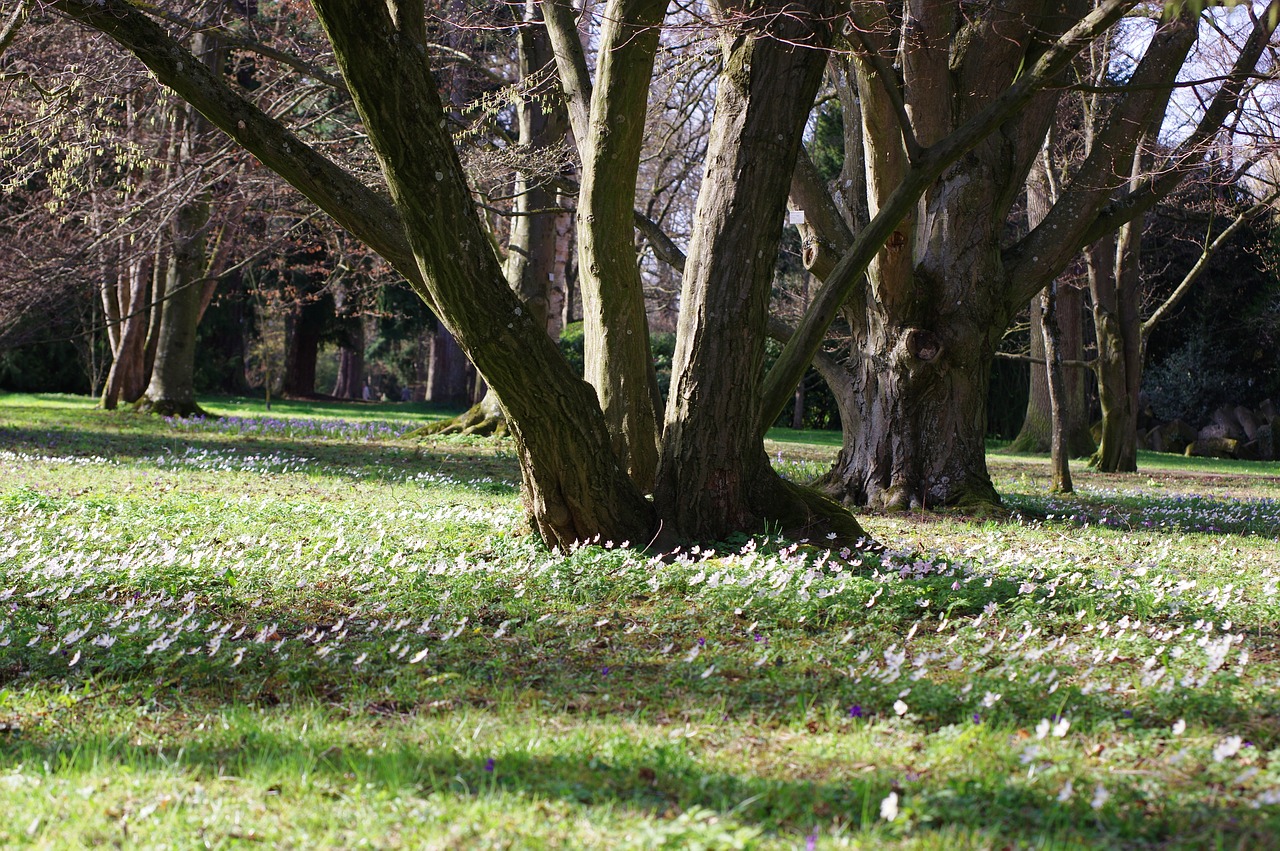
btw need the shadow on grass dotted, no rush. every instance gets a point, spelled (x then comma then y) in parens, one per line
(387, 460)
(650, 778)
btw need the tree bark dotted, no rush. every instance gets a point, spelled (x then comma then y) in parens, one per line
(1039, 424)
(303, 348)
(617, 354)
(171, 391)
(450, 374)
(350, 370)
(1058, 458)
(130, 315)
(714, 478)
(574, 488)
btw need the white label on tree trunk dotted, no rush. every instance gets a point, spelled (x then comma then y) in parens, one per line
(795, 217)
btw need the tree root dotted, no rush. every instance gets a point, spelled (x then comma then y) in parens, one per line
(803, 512)
(171, 408)
(481, 420)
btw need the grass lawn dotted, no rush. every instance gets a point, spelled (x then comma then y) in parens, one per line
(297, 630)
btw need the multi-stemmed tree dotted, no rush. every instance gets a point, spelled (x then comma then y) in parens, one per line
(951, 129)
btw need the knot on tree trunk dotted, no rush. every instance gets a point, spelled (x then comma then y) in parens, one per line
(922, 345)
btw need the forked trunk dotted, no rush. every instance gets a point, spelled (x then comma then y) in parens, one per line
(127, 379)
(574, 488)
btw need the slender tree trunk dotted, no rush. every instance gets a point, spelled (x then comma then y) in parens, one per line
(1058, 456)
(618, 359)
(1036, 434)
(531, 249)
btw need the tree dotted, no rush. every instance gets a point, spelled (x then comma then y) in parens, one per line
(937, 300)
(713, 478)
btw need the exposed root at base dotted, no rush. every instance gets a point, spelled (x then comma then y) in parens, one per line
(171, 408)
(803, 512)
(480, 420)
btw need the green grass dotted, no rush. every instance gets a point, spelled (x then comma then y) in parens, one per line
(294, 638)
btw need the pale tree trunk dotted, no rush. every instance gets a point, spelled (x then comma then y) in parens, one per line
(714, 477)
(610, 140)
(531, 266)
(574, 488)
(130, 314)
(171, 390)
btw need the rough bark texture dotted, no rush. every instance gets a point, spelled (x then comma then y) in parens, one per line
(573, 488)
(714, 478)
(616, 333)
(940, 293)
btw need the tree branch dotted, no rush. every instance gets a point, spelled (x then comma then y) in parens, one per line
(365, 212)
(849, 272)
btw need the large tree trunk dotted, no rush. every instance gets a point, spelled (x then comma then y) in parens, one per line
(450, 375)
(350, 381)
(714, 478)
(303, 348)
(914, 436)
(942, 294)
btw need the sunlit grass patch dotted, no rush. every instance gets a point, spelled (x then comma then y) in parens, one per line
(312, 641)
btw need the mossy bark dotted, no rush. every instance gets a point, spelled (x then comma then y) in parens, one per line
(574, 488)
